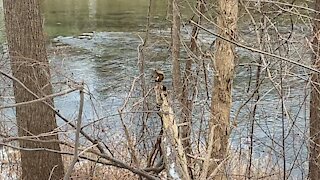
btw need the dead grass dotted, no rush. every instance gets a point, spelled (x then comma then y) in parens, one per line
(9, 164)
(87, 170)
(90, 171)
(262, 168)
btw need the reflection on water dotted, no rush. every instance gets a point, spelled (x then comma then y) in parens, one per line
(92, 6)
(1, 23)
(71, 17)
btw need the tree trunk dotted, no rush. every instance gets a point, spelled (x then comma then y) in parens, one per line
(224, 57)
(174, 157)
(29, 64)
(176, 74)
(187, 88)
(314, 166)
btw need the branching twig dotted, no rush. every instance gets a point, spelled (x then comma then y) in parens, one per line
(256, 50)
(77, 143)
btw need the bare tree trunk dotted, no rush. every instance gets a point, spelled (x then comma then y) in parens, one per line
(29, 64)
(314, 166)
(187, 87)
(176, 74)
(223, 64)
(174, 157)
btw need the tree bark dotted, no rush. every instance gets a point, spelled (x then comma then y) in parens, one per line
(224, 57)
(187, 87)
(174, 157)
(29, 64)
(176, 74)
(314, 166)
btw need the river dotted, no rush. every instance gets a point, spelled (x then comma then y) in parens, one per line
(107, 62)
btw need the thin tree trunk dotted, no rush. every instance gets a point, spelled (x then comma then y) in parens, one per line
(188, 85)
(176, 74)
(175, 159)
(29, 64)
(314, 166)
(223, 64)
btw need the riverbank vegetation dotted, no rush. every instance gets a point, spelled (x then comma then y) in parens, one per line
(236, 95)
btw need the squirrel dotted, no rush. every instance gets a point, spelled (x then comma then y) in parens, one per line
(159, 75)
